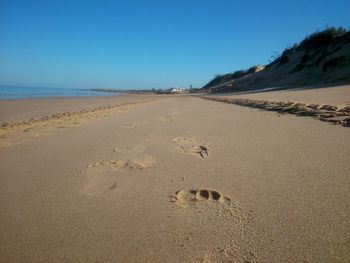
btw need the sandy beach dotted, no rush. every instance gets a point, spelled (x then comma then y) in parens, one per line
(334, 95)
(147, 178)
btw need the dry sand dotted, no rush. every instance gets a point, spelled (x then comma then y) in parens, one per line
(24, 109)
(174, 179)
(339, 95)
(328, 104)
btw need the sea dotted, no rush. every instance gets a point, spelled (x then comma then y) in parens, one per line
(12, 92)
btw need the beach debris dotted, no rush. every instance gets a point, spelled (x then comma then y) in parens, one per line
(114, 185)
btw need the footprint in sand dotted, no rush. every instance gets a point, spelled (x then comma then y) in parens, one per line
(197, 195)
(210, 216)
(133, 125)
(100, 180)
(102, 176)
(145, 161)
(191, 146)
(168, 118)
(141, 162)
(128, 126)
(135, 154)
(130, 151)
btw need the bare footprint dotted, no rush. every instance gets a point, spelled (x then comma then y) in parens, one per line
(168, 118)
(129, 151)
(133, 125)
(195, 195)
(145, 161)
(101, 176)
(100, 180)
(173, 112)
(191, 146)
(128, 126)
(207, 214)
(141, 162)
(121, 164)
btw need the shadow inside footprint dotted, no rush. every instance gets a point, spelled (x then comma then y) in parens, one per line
(204, 193)
(194, 195)
(215, 195)
(167, 118)
(203, 151)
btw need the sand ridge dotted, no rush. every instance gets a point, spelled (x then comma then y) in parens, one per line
(326, 113)
(17, 132)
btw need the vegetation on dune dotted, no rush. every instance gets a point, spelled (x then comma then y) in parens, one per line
(231, 76)
(322, 38)
(334, 62)
(318, 39)
(316, 48)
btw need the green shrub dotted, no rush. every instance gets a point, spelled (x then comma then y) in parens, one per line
(325, 53)
(322, 38)
(284, 59)
(335, 62)
(218, 79)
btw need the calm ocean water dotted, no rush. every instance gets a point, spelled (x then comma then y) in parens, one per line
(34, 92)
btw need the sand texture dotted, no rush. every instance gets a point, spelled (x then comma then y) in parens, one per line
(173, 179)
(292, 102)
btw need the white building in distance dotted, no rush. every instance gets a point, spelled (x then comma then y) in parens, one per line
(179, 90)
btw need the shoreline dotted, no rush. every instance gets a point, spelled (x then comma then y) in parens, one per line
(57, 97)
(13, 110)
(27, 92)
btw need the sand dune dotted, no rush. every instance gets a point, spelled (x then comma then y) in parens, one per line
(322, 58)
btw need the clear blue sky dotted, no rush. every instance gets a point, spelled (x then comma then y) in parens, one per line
(149, 44)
